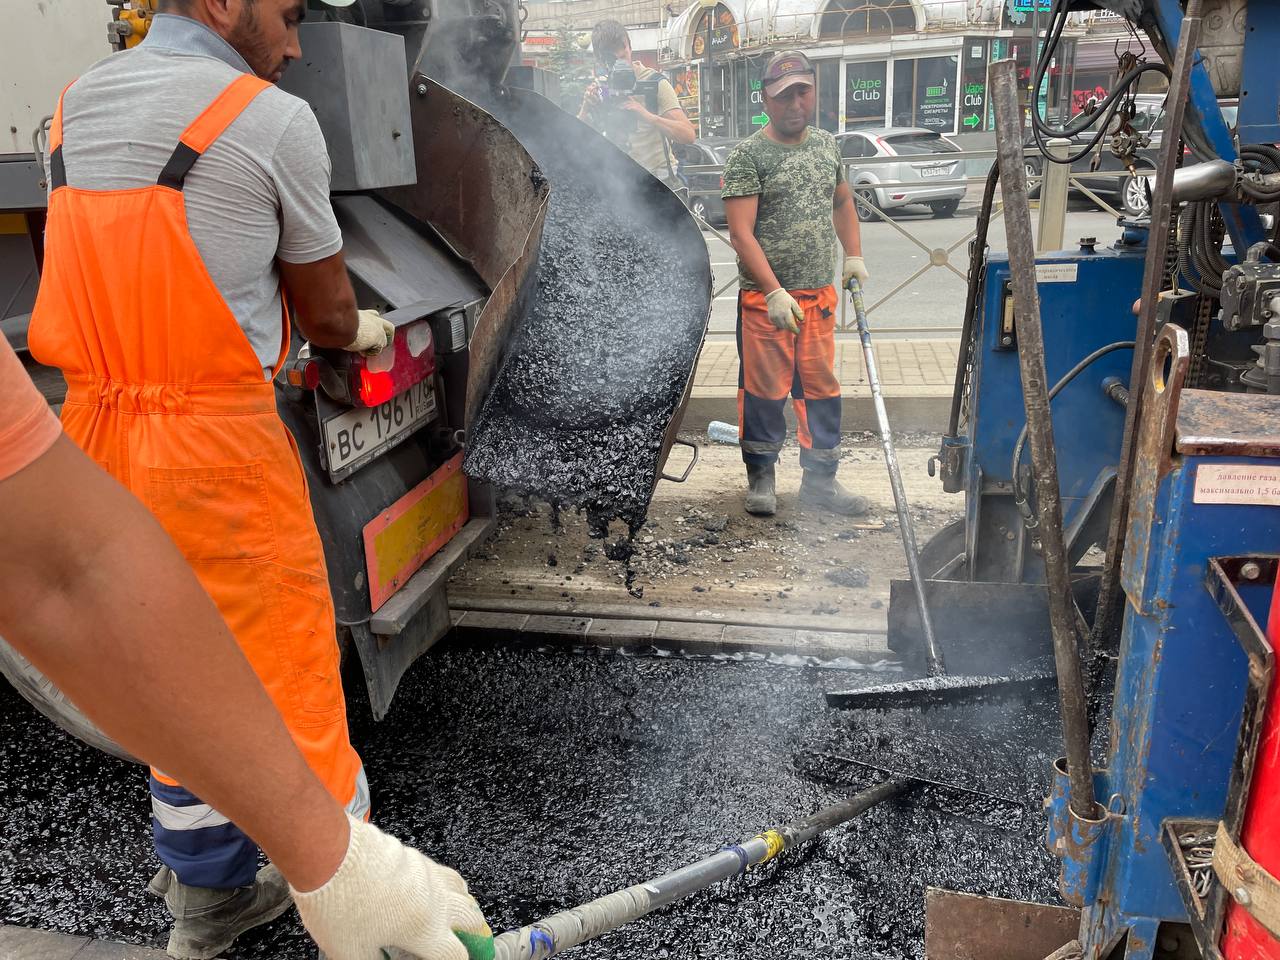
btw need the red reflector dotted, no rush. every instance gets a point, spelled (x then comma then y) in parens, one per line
(303, 373)
(898, 196)
(376, 388)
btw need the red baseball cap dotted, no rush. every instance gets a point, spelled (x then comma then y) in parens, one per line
(786, 69)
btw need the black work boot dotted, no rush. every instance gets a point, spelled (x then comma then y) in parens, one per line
(824, 490)
(761, 499)
(206, 921)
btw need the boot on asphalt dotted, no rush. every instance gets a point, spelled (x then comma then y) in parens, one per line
(206, 921)
(761, 499)
(824, 490)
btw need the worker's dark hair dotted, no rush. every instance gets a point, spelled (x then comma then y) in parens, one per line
(608, 39)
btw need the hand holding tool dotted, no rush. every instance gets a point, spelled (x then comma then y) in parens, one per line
(784, 312)
(855, 268)
(385, 894)
(373, 334)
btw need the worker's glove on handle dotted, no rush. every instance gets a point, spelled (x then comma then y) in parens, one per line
(784, 312)
(388, 895)
(854, 269)
(372, 335)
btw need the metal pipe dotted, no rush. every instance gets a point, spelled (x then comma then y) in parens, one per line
(1204, 181)
(1044, 461)
(1110, 599)
(560, 931)
(933, 655)
(1054, 187)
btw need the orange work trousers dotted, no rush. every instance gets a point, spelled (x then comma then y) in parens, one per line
(773, 363)
(165, 392)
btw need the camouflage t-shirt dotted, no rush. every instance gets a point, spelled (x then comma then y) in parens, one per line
(796, 184)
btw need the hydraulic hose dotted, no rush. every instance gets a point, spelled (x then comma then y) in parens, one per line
(1019, 494)
(1106, 110)
(560, 931)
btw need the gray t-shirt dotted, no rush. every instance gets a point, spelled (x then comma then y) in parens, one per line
(260, 192)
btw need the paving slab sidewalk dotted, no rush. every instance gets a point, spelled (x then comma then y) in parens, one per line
(21, 943)
(917, 375)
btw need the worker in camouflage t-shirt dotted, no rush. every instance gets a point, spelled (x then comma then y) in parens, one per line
(786, 200)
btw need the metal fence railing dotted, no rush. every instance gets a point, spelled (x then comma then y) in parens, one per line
(865, 176)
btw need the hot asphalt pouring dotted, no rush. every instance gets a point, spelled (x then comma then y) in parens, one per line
(549, 777)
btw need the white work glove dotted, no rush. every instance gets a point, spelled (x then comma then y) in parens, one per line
(372, 335)
(385, 894)
(854, 267)
(784, 312)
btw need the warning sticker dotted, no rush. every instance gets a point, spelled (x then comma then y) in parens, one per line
(1057, 272)
(1219, 483)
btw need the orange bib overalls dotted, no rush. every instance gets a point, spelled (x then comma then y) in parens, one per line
(166, 393)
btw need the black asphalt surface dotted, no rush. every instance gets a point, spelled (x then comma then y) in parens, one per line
(549, 777)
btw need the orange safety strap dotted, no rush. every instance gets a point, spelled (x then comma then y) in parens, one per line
(207, 127)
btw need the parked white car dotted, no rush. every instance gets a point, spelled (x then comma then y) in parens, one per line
(941, 185)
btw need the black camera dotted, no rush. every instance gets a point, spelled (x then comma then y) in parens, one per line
(617, 85)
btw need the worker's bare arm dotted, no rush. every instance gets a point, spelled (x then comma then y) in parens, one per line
(322, 300)
(100, 600)
(740, 212)
(844, 215)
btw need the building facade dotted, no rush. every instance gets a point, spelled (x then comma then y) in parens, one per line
(644, 20)
(919, 63)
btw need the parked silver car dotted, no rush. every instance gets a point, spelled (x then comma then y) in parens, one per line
(905, 142)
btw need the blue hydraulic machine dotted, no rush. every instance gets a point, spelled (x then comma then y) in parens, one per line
(1161, 356)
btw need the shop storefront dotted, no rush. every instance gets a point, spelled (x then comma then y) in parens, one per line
(878, 64)
(905, 91)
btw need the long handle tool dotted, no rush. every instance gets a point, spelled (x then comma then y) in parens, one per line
(932, 653)
(566, 929)
(939, 688)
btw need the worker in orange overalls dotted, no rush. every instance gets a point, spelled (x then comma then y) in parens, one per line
(787, 201)
(188, 193)
(97, 597)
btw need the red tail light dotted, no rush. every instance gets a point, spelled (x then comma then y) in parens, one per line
(376, 388)
(408, 360)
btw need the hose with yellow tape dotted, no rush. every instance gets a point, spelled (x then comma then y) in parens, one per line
(566, 929)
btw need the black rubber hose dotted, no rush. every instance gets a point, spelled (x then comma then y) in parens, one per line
(1106, 109)
(1209, 245)
(1186, 267)
(973, 293)
(1019, 495)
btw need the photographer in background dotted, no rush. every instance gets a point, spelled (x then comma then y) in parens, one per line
(637, 109)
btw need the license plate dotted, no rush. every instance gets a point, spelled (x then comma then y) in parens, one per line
(355, 437)
(929, 173)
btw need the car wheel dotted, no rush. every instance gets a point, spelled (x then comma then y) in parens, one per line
(944, 208)
(865, 199)
(1133, 195)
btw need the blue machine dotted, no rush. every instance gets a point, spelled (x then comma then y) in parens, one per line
(1085, 299)
(1197, 549)
(1193, 668)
